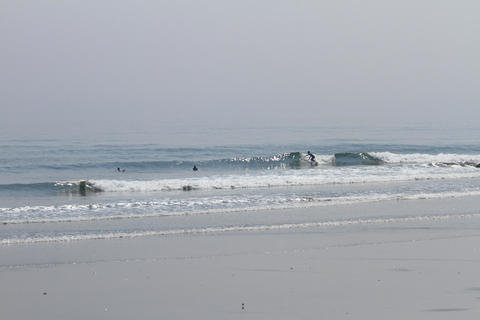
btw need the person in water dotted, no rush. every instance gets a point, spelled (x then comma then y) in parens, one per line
(310, 156)
(195, 168)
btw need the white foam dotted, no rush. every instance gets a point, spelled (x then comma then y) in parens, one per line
(214, 205)
(291, 178)
(254, 228)
(423, 158)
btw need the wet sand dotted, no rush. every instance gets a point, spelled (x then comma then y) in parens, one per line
(399, 270)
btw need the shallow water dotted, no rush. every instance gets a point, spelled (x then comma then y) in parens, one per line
(41, 198)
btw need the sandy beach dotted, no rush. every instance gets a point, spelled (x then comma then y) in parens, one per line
(400, 269)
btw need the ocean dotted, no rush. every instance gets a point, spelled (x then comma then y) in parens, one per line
(252, 179)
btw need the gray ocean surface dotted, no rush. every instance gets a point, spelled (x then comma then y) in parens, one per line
(142, 183)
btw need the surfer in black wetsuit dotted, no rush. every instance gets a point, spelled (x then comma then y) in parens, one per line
(310, 156)
(195, 168)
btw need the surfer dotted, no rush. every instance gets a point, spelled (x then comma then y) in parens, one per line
(310, 156)
(195, 168)
(120, 170)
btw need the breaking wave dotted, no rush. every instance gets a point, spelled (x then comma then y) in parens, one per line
(288, 160)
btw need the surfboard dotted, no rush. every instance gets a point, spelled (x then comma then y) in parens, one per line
(300, 160)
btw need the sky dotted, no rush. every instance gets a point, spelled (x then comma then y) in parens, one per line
(147, 65)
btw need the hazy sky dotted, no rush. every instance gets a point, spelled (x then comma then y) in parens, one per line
(149, 64)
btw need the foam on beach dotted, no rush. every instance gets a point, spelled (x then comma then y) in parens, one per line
(193, 206)
(241, 228)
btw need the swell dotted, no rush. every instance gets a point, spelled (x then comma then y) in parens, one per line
(289, 160)
(280, 160)
(41, 186)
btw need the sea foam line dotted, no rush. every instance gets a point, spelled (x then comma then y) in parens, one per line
(311, 178)
(255, 228)
(303, 202)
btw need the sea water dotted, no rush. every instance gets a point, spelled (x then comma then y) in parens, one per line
(249, 179)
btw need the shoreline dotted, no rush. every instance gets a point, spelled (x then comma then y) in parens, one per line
(263, 220)
(404, 269)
